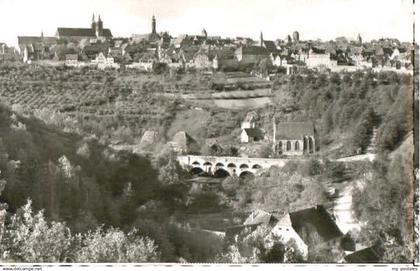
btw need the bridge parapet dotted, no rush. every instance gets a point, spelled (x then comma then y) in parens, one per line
(231, 165)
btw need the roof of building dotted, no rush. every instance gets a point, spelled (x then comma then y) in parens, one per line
(49, 40)
(179, 40)
(260, 217)
(25, 40)
(28, 39)
(184, 141)
(317, 50)
(285, 221)
(82, 32)
(72, 32)
(253, 50)
(236, 230)
(148, 138)
(314, 219)
(254, 132)
(250, 116)
(222, 53)
(188, 52)
(148, 37)
(270, 45)
(368, 255)
(294, 130)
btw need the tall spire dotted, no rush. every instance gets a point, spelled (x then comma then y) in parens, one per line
(153, 25)
(261, 39)
(99, 26)
(93, 24)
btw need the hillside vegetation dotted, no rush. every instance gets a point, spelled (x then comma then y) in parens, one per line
(118, 106)
(81, 184)
(54, 150)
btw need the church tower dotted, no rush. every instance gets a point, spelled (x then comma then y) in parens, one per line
(261, 39)
(93, 25)
(153, 25)
(359, 39)
(100, 25)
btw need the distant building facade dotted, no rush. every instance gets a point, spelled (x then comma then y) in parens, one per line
(96, 31)
(251, 54)
(316, 58)
(294, 138)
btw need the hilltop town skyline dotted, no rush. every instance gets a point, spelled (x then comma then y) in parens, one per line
(219, 19)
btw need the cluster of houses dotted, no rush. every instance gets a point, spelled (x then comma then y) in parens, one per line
(289, 138)
(8, 53)
(96, 44)
(306, 228)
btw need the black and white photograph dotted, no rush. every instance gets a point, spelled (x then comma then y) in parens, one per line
(216, 132)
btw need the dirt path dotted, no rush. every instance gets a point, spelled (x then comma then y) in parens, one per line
(360, 157)
(343, 211)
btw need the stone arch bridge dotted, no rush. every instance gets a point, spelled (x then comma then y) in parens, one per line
(222, 166)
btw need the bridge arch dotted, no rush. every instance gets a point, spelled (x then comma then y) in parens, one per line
(196, 170)
(256, 166)
(247, 175)
(207, 164)
(221, 173)
(243, 166)
(220, 164)
(196, 163)
(231, 165)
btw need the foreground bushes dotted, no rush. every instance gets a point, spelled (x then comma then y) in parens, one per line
(30, 238)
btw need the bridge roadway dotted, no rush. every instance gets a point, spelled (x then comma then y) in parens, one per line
(226, 165)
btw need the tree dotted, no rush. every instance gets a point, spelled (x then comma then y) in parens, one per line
(264, 66)
(113, 245)
(297, 192)
(275, 254)
(323, 253)
(363, 132)
(383, 205)
(260, 246)
(170, 170)
(30, 238)
(231, 184)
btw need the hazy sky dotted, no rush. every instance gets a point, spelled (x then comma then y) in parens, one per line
(325, 19)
